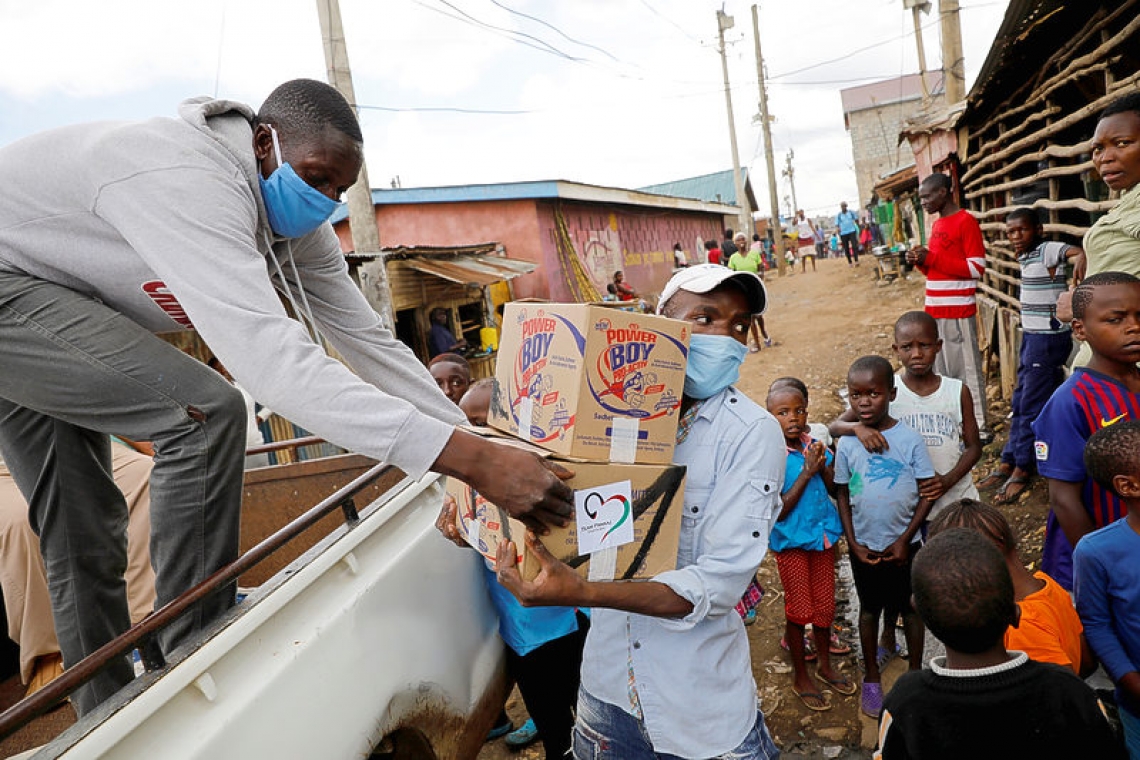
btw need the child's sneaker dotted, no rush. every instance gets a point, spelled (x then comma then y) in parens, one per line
(872, 699)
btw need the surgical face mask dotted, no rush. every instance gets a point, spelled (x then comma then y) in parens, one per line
(714, 364)
(295, 208)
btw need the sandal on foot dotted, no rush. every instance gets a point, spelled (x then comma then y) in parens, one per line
(884, 655)
(523, 736)
(813, 700)
(809, 650)
(1020, 484)
(993, 479)
(840, 685)
(872, 699)
(837, 646)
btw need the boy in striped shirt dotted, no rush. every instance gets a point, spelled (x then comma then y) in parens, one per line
(1046, 343)
(1106, 315)
(953, 262)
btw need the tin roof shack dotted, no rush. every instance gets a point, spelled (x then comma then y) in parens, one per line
(470, 282)
(577, 235)
(1024, 136)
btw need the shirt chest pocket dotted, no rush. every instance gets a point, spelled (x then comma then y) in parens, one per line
(763, 497)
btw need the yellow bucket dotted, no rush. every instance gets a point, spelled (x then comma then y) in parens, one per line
(489, 338)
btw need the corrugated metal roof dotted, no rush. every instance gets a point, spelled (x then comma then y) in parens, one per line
(471, 270)
(547, 189)
(717, 187)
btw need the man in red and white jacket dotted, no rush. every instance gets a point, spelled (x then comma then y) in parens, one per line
(953, 263)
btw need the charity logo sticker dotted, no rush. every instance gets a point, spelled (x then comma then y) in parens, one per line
(605, 516)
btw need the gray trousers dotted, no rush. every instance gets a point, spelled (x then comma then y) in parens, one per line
(73, 371)
(960, 358)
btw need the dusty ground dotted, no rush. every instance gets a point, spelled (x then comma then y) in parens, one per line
(823, 321)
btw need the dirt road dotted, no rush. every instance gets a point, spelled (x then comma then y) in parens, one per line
(822, 321)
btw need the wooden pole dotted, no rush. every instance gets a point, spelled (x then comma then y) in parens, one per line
(769, 160)
(361, 213)
(744, 222)
(953, 62)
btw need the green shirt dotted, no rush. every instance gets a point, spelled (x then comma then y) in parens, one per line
(745, 262)
(1112, 244)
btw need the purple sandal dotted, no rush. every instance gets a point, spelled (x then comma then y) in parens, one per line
(872, 699)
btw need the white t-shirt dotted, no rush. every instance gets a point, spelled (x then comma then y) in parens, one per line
(938, 419)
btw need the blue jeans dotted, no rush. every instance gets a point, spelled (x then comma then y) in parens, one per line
(74, 371)
(606, 732)
(1131, 725)
(1040, 371)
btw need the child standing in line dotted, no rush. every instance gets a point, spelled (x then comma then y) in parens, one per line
(1108, 574)
(937, 407)
(981, 701)
(803, 538)
(881, 511)
(1106, 315)
(1050, 630)
(1046, 343)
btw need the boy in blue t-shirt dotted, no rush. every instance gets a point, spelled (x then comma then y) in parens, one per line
(881, 511)
(1106, 315)
(1108, 573)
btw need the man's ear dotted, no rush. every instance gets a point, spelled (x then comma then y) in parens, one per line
(938, 346)
(1016, 616)
(262, 142)
(894, 392)
(1078, 329)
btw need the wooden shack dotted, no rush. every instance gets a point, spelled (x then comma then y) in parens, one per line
(1024, 138)
(469, 281)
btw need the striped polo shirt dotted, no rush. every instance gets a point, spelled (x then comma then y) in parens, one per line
(1085, 403)
(1039, 290)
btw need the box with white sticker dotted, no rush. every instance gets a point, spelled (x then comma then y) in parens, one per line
(627, 522)
(590, 381)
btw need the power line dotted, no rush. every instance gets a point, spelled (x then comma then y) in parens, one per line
(510, 34)
(670, 21)
(557, 30)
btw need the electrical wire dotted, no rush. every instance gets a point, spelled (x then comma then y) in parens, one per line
(555, 29)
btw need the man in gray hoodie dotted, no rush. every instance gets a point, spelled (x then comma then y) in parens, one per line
(110, 232)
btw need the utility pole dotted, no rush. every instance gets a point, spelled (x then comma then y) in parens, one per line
(918, 7)
(724, 21)
(769, 160)
(361, 214)
(953, 62)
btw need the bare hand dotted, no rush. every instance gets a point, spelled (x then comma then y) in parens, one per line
(896, 553)
(446, 523)
(527, 486)
(1064, 310)
(871, 439)
(1080, 265)
(815, 457)
(864, 555)
(916, 255)
(555, 585)
(932, 489)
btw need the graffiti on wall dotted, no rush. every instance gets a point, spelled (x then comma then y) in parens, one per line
(602, 256)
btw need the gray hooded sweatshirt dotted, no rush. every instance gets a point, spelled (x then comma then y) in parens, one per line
(163, 221)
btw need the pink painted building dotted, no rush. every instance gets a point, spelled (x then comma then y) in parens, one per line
(577, 234)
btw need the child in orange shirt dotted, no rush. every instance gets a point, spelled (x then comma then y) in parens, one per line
(1049, 630)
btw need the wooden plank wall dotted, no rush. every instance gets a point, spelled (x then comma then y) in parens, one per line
(1038, 139)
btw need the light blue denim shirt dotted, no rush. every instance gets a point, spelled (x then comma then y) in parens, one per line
(693, 675)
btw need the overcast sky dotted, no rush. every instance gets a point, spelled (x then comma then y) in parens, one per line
(620, 93)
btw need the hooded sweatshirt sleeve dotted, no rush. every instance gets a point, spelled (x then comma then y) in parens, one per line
(194, 224)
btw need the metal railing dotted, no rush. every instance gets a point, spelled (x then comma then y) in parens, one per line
(44, 700)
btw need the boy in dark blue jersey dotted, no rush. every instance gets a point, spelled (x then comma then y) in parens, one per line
(1106, 315)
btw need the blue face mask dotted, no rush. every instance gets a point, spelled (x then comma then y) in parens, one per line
(295, 207)
(714, 364)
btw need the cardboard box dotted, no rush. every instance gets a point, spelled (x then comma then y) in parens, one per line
(654, 512)
(590, 381)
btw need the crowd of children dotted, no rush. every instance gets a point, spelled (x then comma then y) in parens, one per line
(893, 478)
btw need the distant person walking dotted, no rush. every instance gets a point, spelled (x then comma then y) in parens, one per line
(805, 242)
(714, 252)
(848, 223)
(728, 247)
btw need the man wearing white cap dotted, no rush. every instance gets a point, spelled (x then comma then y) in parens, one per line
(666, 664)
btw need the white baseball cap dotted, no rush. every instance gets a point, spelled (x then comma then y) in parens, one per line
(704, 278)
